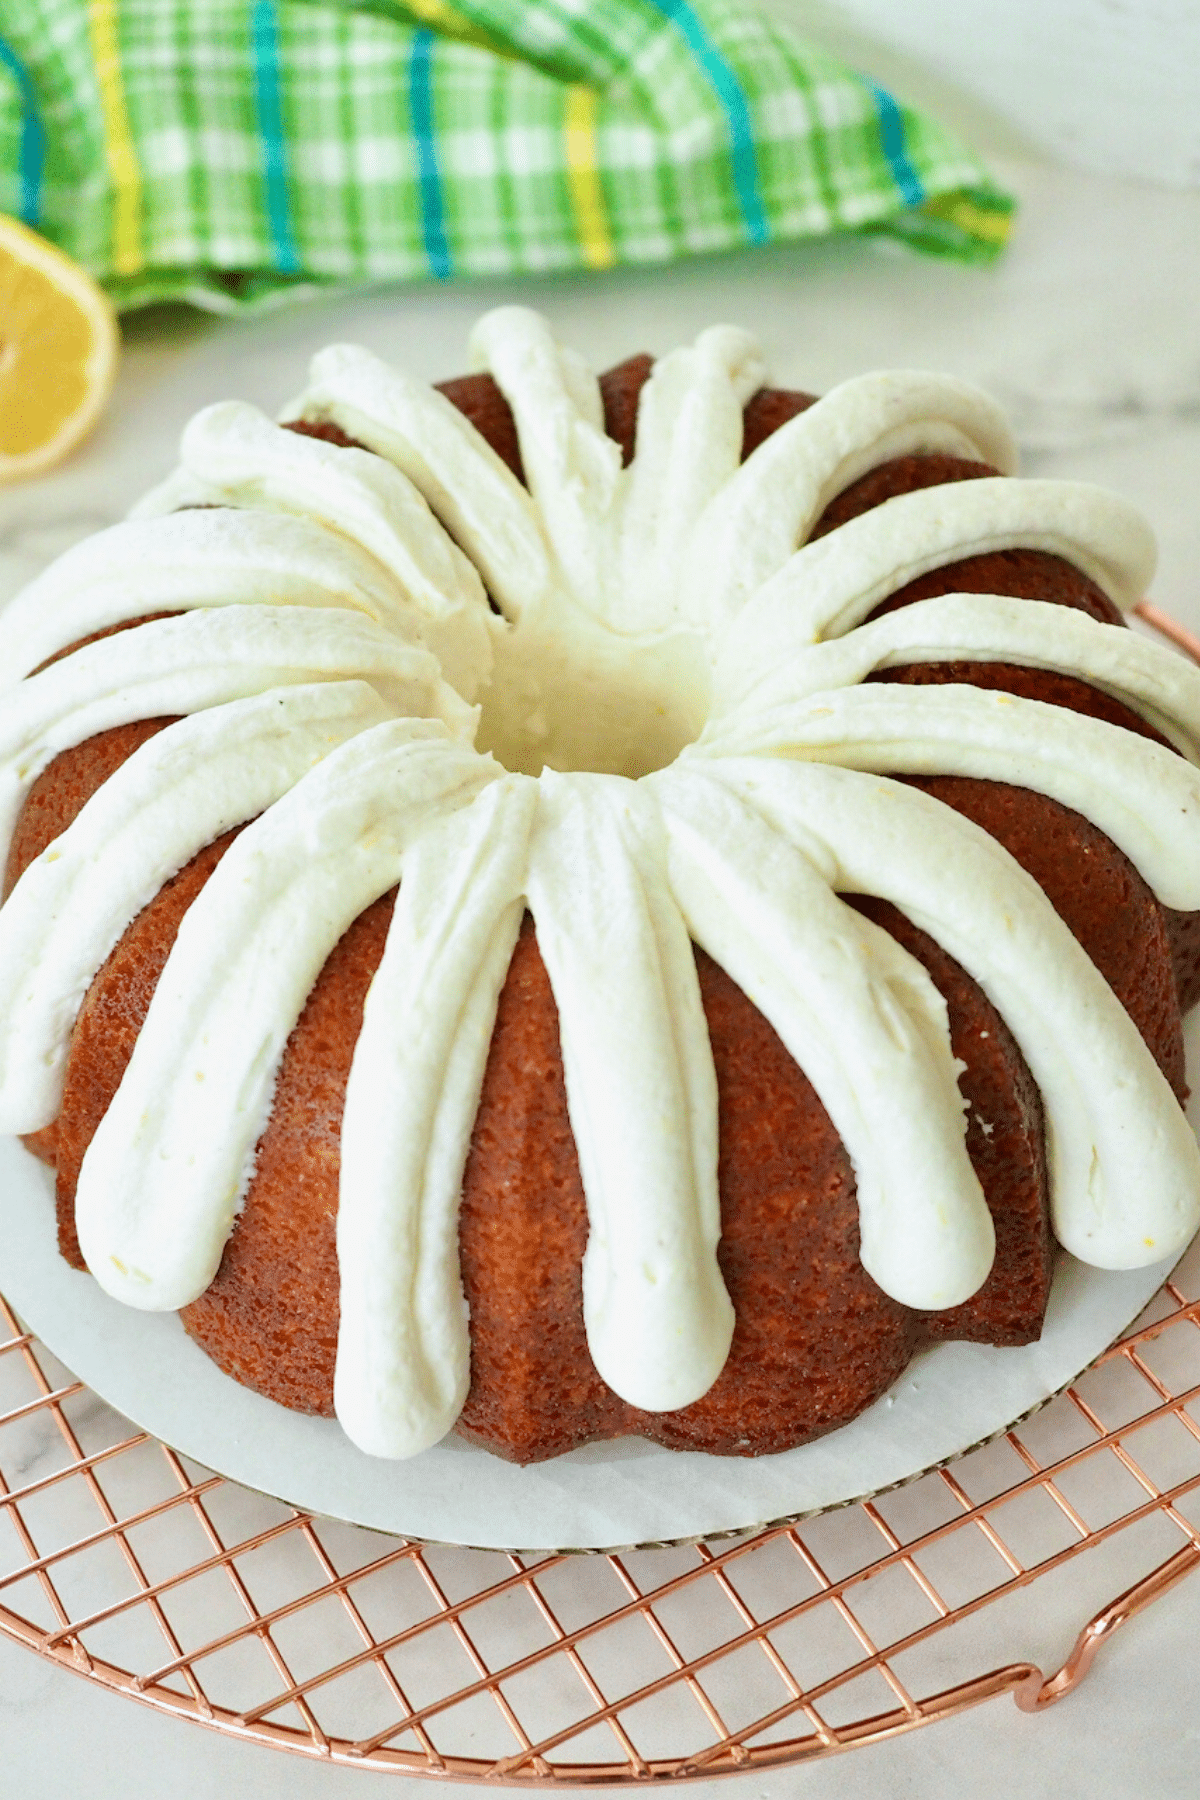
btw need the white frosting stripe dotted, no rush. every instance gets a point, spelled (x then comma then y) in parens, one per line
(752, 528)
(178, 792)
(1124, 1163)
(829, 586)
(689, 445)
(640, 1089)
(195, 559)
(573, 469)
(163, 1175)
(236, 451)
(1141, 795)
(473, 492)
(203, 659)
(233, 455)
(1152, 680)
(403, 1364)
(861, 1018)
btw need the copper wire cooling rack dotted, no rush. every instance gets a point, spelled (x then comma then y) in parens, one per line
(124, 1561)
(142, 1571)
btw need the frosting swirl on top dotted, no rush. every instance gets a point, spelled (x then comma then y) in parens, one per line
(656, 734)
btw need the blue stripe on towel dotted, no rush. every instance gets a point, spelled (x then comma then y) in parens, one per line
(429, 183)
(32, 153)
(731, 94)
(891, 133)
(264, 39)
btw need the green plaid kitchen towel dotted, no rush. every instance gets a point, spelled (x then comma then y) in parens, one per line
(227, 152)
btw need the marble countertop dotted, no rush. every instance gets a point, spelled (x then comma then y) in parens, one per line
(1087, 333)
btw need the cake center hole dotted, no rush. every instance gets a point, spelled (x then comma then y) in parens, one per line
(576, 696)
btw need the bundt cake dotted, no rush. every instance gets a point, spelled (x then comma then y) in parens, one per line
(513, 934)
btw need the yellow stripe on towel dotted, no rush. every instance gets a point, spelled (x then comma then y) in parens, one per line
(991, 224)
(447, 20)
(583, 177)
(118, 139)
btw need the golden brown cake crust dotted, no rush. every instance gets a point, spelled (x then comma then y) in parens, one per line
(1095, 890)
(1183, 933)
(270, 1317)
(815, 1339)
(66, 785)
(110, 1018)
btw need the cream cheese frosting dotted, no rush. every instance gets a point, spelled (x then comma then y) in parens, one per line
(656, 734)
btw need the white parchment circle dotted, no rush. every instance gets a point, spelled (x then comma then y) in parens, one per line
(607, 1496)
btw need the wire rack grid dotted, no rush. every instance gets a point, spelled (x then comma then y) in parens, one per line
(125, 1562)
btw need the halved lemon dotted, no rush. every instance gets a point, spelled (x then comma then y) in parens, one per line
(59, 345)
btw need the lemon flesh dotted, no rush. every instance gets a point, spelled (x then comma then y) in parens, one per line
(59, 345)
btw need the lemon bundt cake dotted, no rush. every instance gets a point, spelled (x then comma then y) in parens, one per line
(563, 907)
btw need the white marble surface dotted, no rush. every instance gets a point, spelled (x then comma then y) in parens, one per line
(1087, 332)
